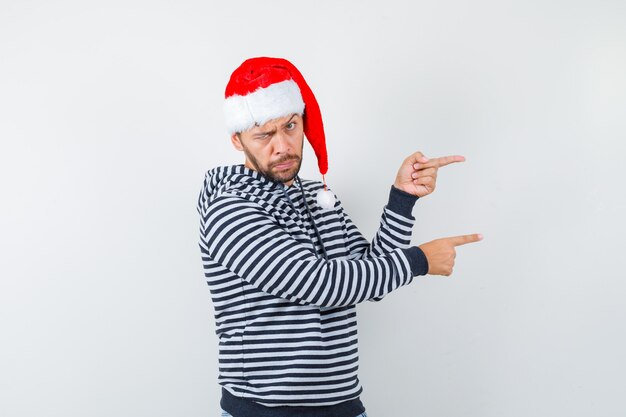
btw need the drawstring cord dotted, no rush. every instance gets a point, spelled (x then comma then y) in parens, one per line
(308, 211)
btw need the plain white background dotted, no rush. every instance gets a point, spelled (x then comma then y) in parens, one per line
(110, 113)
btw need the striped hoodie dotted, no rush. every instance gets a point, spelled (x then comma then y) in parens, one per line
(284, 302)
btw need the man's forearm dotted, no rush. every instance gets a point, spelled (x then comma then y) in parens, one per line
(401, 202)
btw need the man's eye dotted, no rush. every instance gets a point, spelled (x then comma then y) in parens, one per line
(291, 125)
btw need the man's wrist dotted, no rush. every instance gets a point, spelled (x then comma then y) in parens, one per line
(417, 260)
(401, 202)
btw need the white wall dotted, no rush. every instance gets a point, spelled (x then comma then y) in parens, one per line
(110, 113)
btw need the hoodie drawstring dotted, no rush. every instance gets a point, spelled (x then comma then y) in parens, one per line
(308, 211)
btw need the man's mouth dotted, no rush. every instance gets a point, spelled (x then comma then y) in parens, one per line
(285, 165)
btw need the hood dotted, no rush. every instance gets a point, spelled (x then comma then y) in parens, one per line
(242, 181)
(224, 178)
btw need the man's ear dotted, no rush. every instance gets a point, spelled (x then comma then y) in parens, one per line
(236, 141)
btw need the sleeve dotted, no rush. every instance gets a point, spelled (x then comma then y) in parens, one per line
(395, 230)
(247, 241)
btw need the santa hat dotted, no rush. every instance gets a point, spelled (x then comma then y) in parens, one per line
(262, 89)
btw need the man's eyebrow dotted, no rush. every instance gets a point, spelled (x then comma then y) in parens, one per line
(269, 132)
(289, 121)
(274, 130)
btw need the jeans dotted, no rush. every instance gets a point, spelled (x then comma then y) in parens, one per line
(225, 414)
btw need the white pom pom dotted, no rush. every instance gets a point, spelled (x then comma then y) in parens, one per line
(326, 199)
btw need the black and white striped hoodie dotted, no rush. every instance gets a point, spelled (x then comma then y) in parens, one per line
(285, 316)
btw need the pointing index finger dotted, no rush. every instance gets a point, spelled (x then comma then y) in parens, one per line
(447, 160)
(465, 239)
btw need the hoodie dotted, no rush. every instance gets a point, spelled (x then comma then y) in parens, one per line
(285, 277)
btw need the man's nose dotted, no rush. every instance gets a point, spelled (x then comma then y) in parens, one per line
(281, 143)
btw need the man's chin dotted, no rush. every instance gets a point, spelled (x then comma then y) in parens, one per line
(285, 175)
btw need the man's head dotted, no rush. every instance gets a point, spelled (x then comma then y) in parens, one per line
(269, 108)
(261, 96)
(274, 148)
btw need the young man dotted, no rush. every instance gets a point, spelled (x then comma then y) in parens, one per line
(285, 264)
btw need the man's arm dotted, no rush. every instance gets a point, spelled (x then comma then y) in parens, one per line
(416, 177)
(394, 231)
(243, 238)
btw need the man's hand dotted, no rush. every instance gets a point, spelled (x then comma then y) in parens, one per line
(417, 174)
(441, 252)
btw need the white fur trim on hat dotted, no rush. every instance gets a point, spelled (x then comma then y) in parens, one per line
(277, 100)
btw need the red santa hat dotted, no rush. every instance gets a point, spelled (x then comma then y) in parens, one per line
(262, 89)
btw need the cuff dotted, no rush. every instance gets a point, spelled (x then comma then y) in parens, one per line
(401, 202)
(417, 259)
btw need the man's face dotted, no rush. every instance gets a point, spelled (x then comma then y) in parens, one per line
(274, 149)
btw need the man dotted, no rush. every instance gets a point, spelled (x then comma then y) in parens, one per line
(285, 264)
